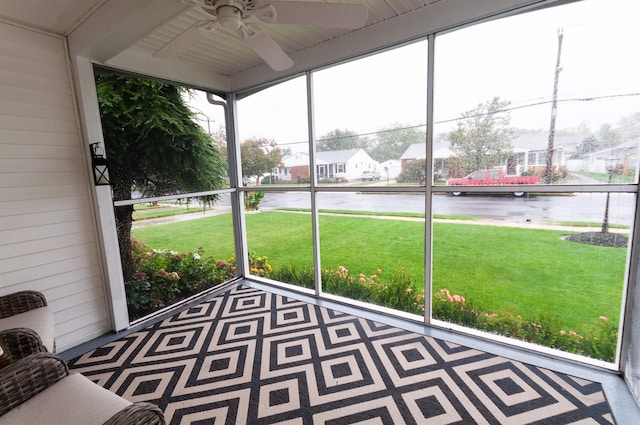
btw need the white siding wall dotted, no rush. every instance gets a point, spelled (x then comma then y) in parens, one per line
(358, 163)
(47, 227)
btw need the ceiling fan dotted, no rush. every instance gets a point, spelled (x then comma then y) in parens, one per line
(243, 17)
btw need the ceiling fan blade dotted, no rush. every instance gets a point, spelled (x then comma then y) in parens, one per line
(264, 46)
(185, 40)
(328, 15)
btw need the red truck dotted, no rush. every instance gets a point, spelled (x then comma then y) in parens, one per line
(492, 178)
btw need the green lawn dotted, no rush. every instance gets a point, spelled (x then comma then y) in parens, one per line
(144, 212)
(529, 272)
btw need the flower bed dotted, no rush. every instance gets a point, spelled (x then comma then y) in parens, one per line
(164, 277)
(597, 340)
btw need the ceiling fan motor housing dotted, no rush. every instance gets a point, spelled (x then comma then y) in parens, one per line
(242, 6)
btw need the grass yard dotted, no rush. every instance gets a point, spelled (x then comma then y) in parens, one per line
(533, 273)
(214, 234)
(145, 211)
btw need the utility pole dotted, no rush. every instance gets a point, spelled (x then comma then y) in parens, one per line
(548, 175)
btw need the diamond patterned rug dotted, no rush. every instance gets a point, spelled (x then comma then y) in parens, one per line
(252, 357)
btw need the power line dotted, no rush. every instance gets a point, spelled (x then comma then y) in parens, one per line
(513, 108)
(545, 102)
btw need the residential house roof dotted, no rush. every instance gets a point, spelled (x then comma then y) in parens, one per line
(524, 142)
(539, 140)
(338, 157)
(296, 159)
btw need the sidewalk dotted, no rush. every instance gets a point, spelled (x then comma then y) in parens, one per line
(222, 209)
(197, 213)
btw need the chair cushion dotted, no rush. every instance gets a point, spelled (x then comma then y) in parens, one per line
(75, 400)
(39, 319)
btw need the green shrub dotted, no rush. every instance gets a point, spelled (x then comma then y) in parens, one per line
(597, 341)
(164, 277)
(396, 291)
(413, 172)
(454, 309)
(559, 174)
(138, 291)
(294, 275)
(258, 266)
(252, 200)
(340, 282)
(327, 180)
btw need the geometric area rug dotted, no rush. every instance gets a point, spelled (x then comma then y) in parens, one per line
(252, 357)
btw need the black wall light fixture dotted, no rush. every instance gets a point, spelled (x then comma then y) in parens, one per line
(100, 165)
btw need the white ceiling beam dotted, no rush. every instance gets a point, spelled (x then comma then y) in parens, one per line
(193, 75)
(118, 24)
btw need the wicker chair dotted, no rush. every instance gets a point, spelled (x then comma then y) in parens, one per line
(15, 334)
(39, 389)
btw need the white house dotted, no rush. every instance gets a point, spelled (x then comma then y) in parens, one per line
(348, 164)
(529, 151)
(343, 164)
(624, 155)
(390, 169)
(418, 151)
(293, 166)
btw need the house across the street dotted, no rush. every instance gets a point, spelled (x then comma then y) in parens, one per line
(529, 152)
(343, 164)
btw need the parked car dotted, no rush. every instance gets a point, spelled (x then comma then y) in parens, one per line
(491, 178)
(370, 176)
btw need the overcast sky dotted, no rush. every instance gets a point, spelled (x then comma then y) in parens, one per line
(512, 58)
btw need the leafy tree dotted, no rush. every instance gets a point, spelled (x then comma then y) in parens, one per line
(483, 137)
(588, 145)
(582, 128)
(413, 172)
(454, 167)
(608, 136)
(153, 146)
(259, 156)
(629, 126)
(337, 140)
(393, 141)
